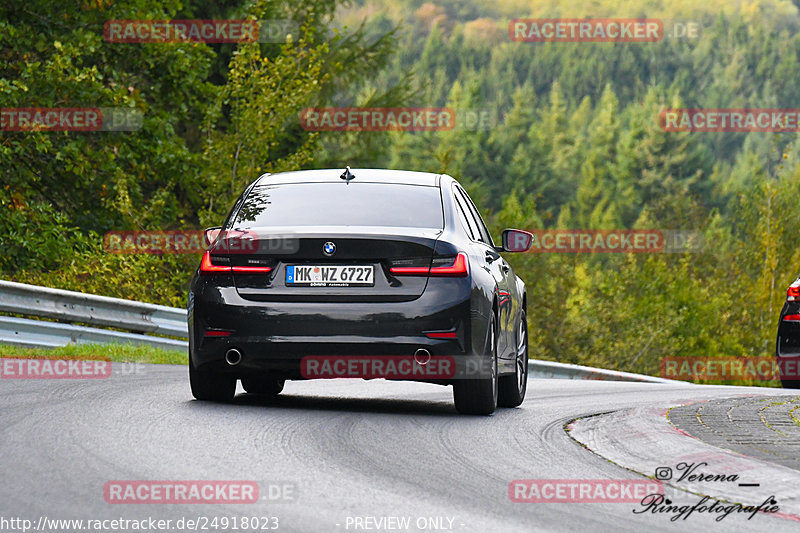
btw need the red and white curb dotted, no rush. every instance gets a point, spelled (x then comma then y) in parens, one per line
(644, 441)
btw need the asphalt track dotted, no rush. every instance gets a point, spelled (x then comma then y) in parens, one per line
(351, 449)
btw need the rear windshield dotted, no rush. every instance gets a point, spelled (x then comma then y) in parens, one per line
(340, 204)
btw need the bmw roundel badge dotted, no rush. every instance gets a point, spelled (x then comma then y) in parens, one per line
(328, 248)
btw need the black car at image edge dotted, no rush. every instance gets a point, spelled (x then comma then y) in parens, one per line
(787, 345)
(418, 276)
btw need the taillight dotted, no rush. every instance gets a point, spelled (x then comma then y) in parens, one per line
(218, 333)
(458, 267)
(410, 271)
(441, 334)
(250, 270)
(791, 318)
(208, 267)
(410, 266)
(452, 266)
(793, 293)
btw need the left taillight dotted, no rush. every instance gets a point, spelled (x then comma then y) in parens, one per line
(207, 266)
(793, 293)
(218, 333)
(222, 265)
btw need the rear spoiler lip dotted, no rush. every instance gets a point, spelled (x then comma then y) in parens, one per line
(340, 231)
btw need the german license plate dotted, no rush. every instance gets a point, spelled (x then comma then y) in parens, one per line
(329, 275)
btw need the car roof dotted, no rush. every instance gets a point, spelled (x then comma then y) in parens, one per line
(362, 175)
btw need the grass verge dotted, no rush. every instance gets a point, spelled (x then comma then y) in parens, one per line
(123, 353)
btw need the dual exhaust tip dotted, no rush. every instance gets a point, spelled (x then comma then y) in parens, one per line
(422, 356)
(233, 356)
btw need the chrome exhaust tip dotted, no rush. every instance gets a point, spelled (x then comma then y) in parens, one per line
(233, 357)
(422, 356)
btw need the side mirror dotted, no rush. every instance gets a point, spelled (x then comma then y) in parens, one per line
(517, 240)
(210, 235)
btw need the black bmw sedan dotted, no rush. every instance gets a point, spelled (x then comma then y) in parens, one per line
(362, 273)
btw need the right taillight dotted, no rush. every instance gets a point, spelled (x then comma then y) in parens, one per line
(793, 293)
(454, 266)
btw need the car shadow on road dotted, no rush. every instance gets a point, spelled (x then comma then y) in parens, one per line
(398, 406)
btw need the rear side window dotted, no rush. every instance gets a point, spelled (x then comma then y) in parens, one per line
(466, 218)
(341, 204)
(482, 229)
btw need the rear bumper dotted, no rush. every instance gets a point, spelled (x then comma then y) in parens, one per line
(788, 342)
(273, 337)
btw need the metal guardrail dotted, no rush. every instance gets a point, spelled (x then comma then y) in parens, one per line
(40, 334)
(143, 318)
(551, 369)
(70, 306)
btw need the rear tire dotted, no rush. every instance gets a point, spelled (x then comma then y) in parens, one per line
(479, 396)
(789, 382)
(511, 389)
(211, 387)
(265, 386)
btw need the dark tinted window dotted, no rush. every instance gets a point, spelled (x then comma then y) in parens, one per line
(466, 219)
(353, 204)
(484, 231)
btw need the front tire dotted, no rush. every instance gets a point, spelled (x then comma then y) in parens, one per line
(211, 387)
(511, 390)
(479, 396)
